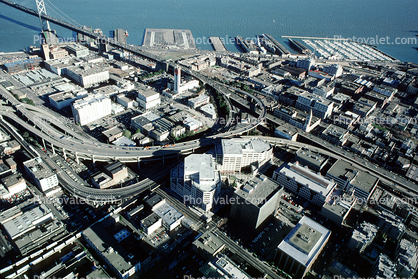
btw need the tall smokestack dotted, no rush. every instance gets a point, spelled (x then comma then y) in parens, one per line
(177, 79)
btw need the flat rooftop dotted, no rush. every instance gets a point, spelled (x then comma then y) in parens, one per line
(168, 213)
(168, 38)
(258, 190)
(311, 156)
(87, 70)
(209, 242)
(25, 221)
(241, 146)
(39, 168)
(112, 131)
(108, 246)
(304, 176)
(148, 93)
(343, 170)
(150, 220)
(87, 101)
(364, 181)
(11, 180)
(305, 240)
(62, 96)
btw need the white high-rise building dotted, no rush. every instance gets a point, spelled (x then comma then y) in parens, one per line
(234, 154)
(196, 180)
(91, 108)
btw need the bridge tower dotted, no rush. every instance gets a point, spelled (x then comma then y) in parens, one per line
(40, 5)
(49, 35)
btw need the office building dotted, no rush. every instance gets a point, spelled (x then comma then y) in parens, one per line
(232, 155)
(286, 131)
(209, 111)
(349, 178)
(384, 268)
(192, 124)
(171, 218)
(335, 135)
(362, 237)
(407, 259)
(101, 180)
(11, 163)
(313, 160)
(304, 182)
(301, 120)
(148, 99)
(223, 267)
(124, 101)
(196, 180)
(112, 134)
(10, 147)
(64, 99)
(151, 223)
(135, 211)
(306, 64)
(301, 247)
(14, 184)
(117, 171)
(323, 91)
(21, 65)
(320, 107)
(255, 201)
(26, 220)
(198, 101)
(77, 50)
(91, 108)
(208, 245)
(364, 107)
(337, 208)
(40, 173)
(391, 225)
(111, 251)
(153, 201)
(335, 70)
(87, 75)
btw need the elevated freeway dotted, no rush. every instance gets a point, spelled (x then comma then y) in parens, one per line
(82, 190)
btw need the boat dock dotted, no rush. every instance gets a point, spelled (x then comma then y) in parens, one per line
(280, 49)
(217, 44)
(301, 48)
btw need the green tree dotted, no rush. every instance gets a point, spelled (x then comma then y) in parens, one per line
(127, 134)
(25, 134)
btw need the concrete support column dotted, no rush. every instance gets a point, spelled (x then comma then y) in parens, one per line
(76, 158)
(139, 163)
(53, 149)
(43, 142)
(65, 154)
(92, 158)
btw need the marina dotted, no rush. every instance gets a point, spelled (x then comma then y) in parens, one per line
(345, 50)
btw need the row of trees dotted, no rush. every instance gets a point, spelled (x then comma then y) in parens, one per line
(151, 74)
